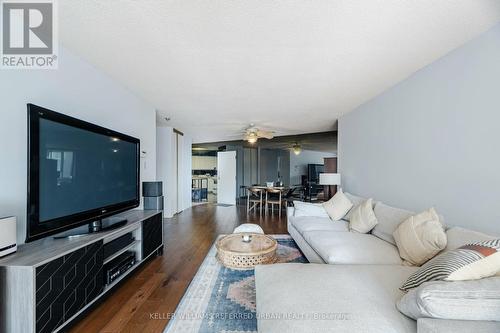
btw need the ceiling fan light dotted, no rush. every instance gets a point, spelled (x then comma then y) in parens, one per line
(252, 138)
(297, 149)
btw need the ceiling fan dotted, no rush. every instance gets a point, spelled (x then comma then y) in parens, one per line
(253, 133)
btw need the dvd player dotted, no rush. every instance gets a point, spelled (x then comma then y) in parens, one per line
(118, 266)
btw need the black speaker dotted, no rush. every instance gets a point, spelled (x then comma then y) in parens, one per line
(153, 203)
(153, 195)
(152, 189)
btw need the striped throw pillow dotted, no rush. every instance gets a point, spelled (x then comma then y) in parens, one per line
(469, 262)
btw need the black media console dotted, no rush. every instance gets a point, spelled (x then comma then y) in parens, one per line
(47, 284)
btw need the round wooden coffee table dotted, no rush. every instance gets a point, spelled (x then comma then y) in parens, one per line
(234, 253)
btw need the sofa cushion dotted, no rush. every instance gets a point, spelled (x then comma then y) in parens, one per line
(356, 201)
(304, 247)
(309, 209)
(469, 262)
(363, 218)
(306, 223)
(430, 325)
(338, 206)
(388, 219)
(352, 248)
(460, 300)
(355, 298)
(420, 237)
(458, 236)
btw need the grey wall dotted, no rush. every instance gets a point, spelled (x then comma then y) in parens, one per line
(284, 168)
(250, 166)
(433, 140)
(268, 161)
(271, 162)
(76, 89)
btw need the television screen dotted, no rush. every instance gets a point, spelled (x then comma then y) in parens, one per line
(78, 172)
(313, 172)
(82, 170)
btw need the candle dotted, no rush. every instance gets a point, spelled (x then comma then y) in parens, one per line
(247, 238)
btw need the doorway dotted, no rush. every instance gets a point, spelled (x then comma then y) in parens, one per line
(204, 176)
(226, 177)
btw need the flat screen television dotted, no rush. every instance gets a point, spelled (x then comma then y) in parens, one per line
(313, 171)
(78, 172)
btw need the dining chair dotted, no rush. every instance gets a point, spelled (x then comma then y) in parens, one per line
(293, 194)
(254, 199)
(274, 197)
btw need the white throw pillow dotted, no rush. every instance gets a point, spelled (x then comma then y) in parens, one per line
(309, 209)
(363, 219)
(338, 206)
(356, 201)
(420, 237)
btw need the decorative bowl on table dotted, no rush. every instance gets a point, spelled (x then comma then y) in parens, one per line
(235, 253)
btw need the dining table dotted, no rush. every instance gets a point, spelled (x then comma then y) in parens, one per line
(264, 187)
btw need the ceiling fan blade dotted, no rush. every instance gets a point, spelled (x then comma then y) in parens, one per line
(265, 134)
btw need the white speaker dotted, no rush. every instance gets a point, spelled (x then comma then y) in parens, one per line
(8, 243)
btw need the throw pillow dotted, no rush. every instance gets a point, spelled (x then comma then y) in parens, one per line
(309, 209)
(356, 201)
(459, 300)
(420, 237)
(469, 262)
(363, 218)
(338, 206)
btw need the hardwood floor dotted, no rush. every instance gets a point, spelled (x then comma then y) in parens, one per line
(142, 302)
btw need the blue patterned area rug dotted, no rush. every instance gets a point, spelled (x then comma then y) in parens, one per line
(222, 300)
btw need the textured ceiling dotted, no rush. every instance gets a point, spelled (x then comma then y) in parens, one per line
(293, 66)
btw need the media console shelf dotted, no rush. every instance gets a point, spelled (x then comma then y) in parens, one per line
(48, 283)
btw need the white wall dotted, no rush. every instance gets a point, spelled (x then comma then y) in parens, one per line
(176, 187)
(433, 140)
(165, 168)
(298, 163)
(185, 172)
(76, 89)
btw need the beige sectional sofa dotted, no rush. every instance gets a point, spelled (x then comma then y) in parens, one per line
(358, 289)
